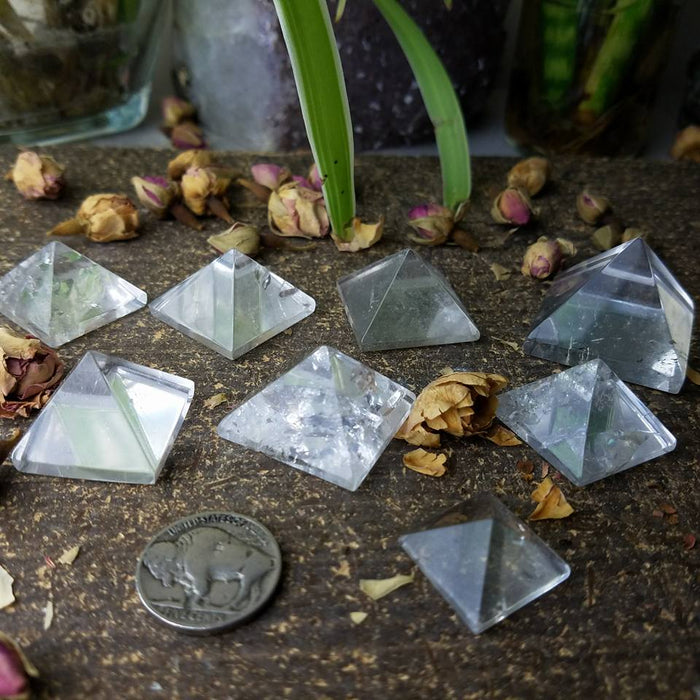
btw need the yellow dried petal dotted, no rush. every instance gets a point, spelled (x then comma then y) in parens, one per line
(7, 597)
(70, 555)
(16, 346)
(215, 400)
(502, 437)
(378, 588)
(358, 617)
(552, 504)
(425, 462)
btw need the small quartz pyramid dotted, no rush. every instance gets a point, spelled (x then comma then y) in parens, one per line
(403, 302)
(57, 294)
(586, 422)
(624, 307)
(232, 305)
(330, 416)
(484, 561)
(110, 420)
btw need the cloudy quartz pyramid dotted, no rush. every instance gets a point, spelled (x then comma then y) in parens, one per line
(330, 416)
(586, 422)
(624, 307)
(57, 294)
(110, 420)
(403, 302)
(485, 562)
(232, 305)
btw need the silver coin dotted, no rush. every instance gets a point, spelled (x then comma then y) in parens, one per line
(209, 572)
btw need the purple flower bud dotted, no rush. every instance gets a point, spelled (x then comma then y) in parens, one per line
(15, 670)
(187, 135)
(155, 193)
(512, 206)
(543, 258)
(431, 222)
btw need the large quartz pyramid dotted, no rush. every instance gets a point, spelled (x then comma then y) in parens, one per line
(624, 307)
(232, 305)
(585, 422)
(485, 562)
(330, 416)
(403, 302)
(110, 420)
(57, 294)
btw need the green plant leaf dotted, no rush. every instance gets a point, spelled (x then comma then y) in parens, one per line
(306, 27)
(440, 100)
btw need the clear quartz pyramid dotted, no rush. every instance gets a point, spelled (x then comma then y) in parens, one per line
(232, 305)
(484, 561)
(57, 294)
(403, 302)
(586, 422)
(330, 416)
(110, 420)
(624, 307)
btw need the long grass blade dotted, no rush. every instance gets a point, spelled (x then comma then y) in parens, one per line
(306, 27)
(440, 101)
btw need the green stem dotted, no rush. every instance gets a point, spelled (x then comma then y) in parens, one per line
(559, 22)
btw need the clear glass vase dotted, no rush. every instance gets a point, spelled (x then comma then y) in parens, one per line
(74, 69)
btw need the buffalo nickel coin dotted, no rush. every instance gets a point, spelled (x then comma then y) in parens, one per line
(209, 572)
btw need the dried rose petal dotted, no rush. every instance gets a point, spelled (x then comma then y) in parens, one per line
(359, 236)
(269, 175)
(551, 502)
(243, 237)
(530, 174)
(430, 463)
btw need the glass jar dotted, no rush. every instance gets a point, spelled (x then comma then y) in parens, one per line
(75, 68)
(585, 72)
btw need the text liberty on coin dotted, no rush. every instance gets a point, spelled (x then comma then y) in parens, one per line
(209, 572)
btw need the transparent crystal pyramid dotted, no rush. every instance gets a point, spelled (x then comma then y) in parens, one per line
(57, 294)
(110, 420)
(484, 561)
(330, 416)
(403, 302)
(586, 422)
(624, 307)
(232, 305)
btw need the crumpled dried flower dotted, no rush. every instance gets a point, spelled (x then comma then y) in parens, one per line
(551, 502)
(28, 373)
(458, 403)
(102, 218)
(187, 135)
(530, 175)
(37, 176)
(424, 462)
(591, 206)
(431, 222)
(176, 110)
(359, 236)
(155, 193)
(294, 210)
(243, 237)
(179, 165)
(544, 258)
(16, 670)
(203, 190)
(512, 206)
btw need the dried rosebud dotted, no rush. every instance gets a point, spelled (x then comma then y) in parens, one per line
(269, 175)
(359, 236)
(687, 144)
(314, 178)
(102, 218)
(606, 237)
(591, 206)
(297, 211)
(16, 670)
(243, 237)
(543, 258)
(432, 224)
(201, 190)
(630, 233)
(458, 403)
(178, 166)
(155, 193)
(28, 372)
(512, 206)
(36, 176)
(187, 135)
(530, 175)
(176, 110)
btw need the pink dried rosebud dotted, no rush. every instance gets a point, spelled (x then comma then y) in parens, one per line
(297, 211)
(37, 177)
(29, 370)
(102, 218)
(543, 258)
(512, 206)
(187, 135)
(155, 193)
(176, 110)
(431, 222)
(314, 178)
(16, 670)
(179, 165)
(269, 175)
(591, 206)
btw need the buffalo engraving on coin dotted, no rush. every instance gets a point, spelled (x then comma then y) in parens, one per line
(208, 572)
